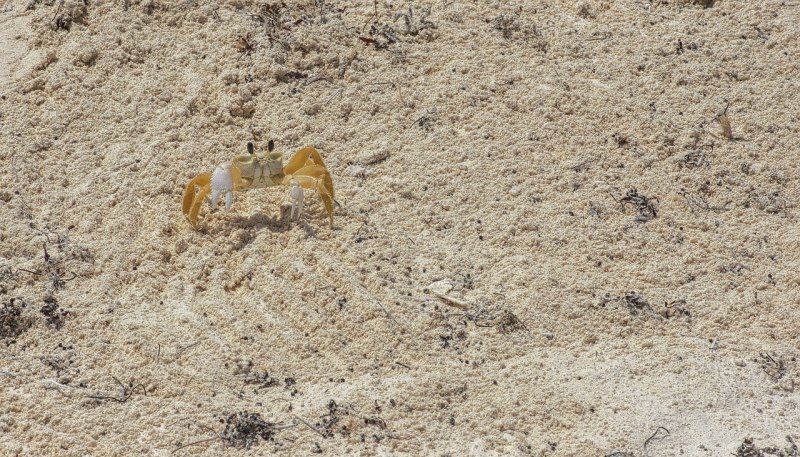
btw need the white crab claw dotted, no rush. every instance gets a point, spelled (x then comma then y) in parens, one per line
(296, 193)
(222, 183)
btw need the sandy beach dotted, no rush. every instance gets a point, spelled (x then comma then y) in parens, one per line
(561, 229)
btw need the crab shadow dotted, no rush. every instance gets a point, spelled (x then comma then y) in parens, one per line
(275, 224)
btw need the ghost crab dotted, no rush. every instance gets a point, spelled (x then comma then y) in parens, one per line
(304, 170)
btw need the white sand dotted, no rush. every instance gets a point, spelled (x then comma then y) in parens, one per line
(484, 144)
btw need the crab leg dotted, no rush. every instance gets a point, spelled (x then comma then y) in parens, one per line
(319, 172)
(308, 162)
(192, 201)
(301, 159)
(310, 182)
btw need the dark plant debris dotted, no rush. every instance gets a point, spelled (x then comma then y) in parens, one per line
(12, 321)
(699, 201)
(507, 25)
(675, 308)
(127, 391)
(694, 159)
(243, 429)
(774, 367)
(261, 379)
(381, 36)
(270, 16)
(504, 321)
(245, 44)
(644, 205)
(53, 268)
(7, 279)
(636, 303)
(416, 22)
(621, 140)
(338, 420)
(508, 322)
(512, 27)
(658, 435)
(53, 313)
(749, 449)
(704, 3)
(427, 120)
(330, 422)
(770, 202)
(67, 14)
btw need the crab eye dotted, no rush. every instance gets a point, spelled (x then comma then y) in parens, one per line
(270, 145)
(250, 148)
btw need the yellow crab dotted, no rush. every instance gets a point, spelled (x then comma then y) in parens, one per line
(243, 172)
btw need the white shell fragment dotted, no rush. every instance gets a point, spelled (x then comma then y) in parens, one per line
(442, 288)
